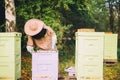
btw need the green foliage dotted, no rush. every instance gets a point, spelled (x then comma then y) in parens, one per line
(2, 28)
(64, 16)
(44, 10)
(118, 54)
(112, 72)
(99, 14)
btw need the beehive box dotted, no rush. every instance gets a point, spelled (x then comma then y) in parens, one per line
(89, 55)
(110, 48)
(45, 65)
(10, 56)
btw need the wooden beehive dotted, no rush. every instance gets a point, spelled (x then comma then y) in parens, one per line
(10, 56)
(110, 48)
(89, 55)
(45, 65)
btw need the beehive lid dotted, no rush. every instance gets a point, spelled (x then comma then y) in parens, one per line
(89, 33)
(86, 30)
(17, 34)
(108, 33)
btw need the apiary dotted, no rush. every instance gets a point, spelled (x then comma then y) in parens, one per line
(45, 65)
(10, 56)
(89, 55)
(110, 48)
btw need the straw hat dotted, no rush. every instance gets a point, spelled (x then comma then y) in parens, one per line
(33, 26)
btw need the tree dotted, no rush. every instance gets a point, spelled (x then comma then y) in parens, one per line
(10, 15)
(2, 16)
(114, 8)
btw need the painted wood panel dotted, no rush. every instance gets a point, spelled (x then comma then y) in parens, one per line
(10, 56)
(89, 55)
(45, 65)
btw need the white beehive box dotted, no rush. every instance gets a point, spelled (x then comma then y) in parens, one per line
(10, 56)
(89, 55)
(45, 65)
(110, 48)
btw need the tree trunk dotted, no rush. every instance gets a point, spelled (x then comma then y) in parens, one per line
(10, 15)
(119, 19)
(119, 15)
(111, 16)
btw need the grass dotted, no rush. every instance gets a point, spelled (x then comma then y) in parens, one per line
(110, 73)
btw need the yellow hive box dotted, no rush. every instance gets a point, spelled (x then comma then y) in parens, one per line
(89, 55)
(110, 48)
(10, 55)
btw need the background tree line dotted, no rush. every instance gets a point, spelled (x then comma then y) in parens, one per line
(65, 17)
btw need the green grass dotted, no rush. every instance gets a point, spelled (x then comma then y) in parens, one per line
(110, 73)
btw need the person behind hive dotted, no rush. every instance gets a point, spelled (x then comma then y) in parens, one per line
(39, 35)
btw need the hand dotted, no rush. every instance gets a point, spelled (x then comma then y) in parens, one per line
(30, 49)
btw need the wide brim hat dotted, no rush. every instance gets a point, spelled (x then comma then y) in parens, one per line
(33, 26)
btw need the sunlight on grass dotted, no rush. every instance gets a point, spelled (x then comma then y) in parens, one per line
(110, 73)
